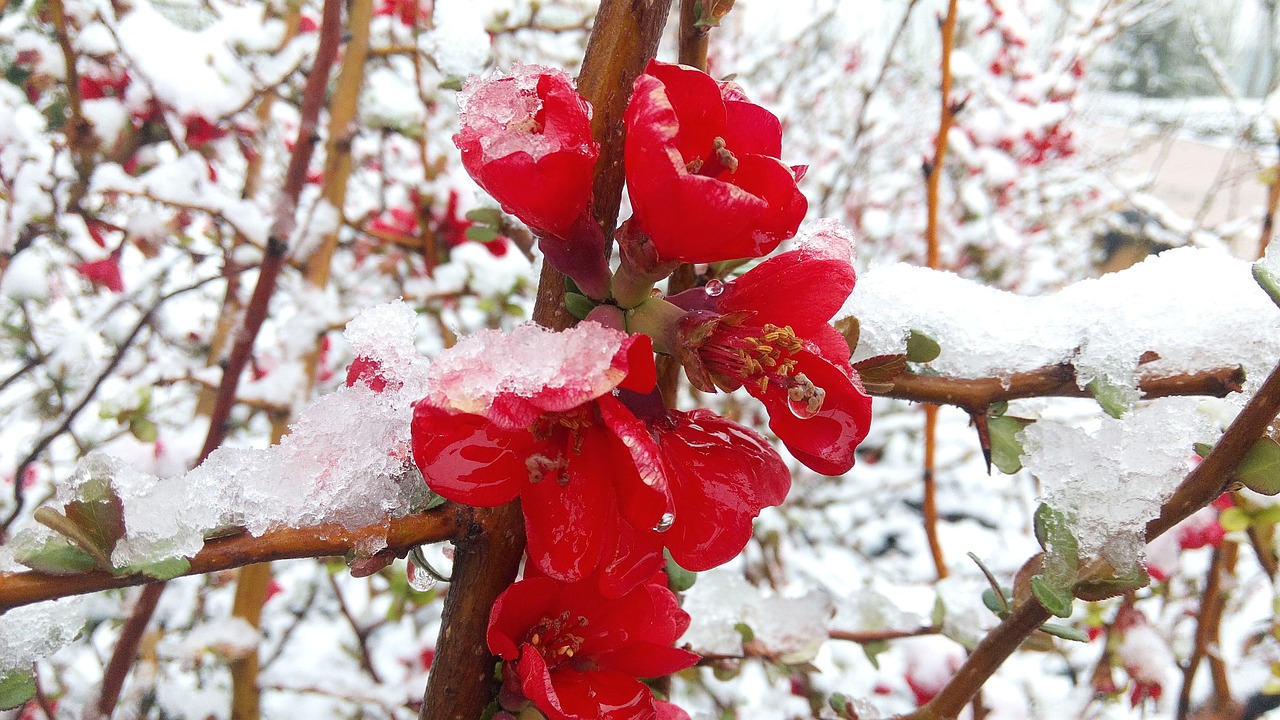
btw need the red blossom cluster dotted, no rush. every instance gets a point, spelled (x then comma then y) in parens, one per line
(610, 480)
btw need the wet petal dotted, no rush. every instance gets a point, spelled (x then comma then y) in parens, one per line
(722, 475)
(468, 459)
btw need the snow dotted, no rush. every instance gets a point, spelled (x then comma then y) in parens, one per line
(1195, 309)
(495, 109)
(789, 628)
(1111, 480)
(458, 43)
(227, 637)
(526, 362)
(32, 632)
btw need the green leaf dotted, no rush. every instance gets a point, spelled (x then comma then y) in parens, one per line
(998, 408)
(1006, 448)
(57, 556)
(1259, 470)
(1054, 599)
(1062, 551)
(745, 631)
(878, 373)
(1203, 449)
(435, 502)
(453, 82)
(677, 577)
(921, 348)
(839, 702)
(144, 429)
(486, 216)
(1103, 588)
(1267, 280)
(1064, 632)
(578, 305)
(481, 233)
(16, 690)
(1111, 398)
(1234, 519)
(85, 540)
(995, 603)
(166, 569)
(873, 650)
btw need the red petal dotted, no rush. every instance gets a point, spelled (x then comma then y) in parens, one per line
(592, 695)
(630, 558)
(752, 130)
(468, 459)
(802, 288)
(695, 100)
(670, 711)
(518, 609)
(825, 443)
(554, 202)
(639, 476)
(565, 515)
(722, 475)
(635, 358)
(104, 273)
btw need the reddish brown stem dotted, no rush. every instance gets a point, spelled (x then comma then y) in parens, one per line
(880, 635)
(1208, 623)
(930, 503)
(976, 394)
(127, 648)
(24, 588)
(1269, 215)
(946, 117)
(488, 550)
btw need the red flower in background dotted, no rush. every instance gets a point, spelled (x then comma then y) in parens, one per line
(103, 273)
(526, 139)
(769, 331)
(703, 171)
(531, 415)
(576, 654)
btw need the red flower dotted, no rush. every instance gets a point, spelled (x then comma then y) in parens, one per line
(719, 474)
(531, 414)
(104, 273)
(703, 171)
(526, 139)
(576, 654)
(769, 331)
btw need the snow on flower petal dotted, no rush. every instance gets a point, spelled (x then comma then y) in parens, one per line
(530, 124)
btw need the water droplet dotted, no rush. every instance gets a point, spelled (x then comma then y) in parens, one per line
(665, 522)
(804, 408)
(713, 288)
(420, 579)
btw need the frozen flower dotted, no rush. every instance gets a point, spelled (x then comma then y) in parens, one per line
(769, 331)
(532, 415)
(703, 171)
(576, 654)
(526, 139)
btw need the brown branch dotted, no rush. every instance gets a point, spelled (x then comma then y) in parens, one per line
(253, 583)
(694, 39)
(977, 394)
(325, 540)
(1201, 486)
(945, 120)
(361, 632)
(488, 550)
(1208, 623)
(78, 129)
(929, 506)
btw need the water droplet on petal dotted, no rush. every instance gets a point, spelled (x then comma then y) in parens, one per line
(805, 399)
(713, 288)
(801, 409)
(420, 579)
(665, 522)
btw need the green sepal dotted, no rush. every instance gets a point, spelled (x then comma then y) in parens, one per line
(745, 631)
(1006, 448)
(1259, 470)
(921, 348)
(578, 305)
(16, 689)
(678, 579)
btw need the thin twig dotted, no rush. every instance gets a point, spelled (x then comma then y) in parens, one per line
(1208, 622)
